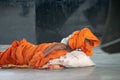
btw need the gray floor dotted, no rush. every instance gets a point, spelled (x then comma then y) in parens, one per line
(107, 68)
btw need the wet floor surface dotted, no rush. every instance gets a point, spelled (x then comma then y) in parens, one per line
(107, 68)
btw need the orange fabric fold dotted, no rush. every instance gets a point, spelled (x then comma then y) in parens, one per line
(25, 53)
(85, 40)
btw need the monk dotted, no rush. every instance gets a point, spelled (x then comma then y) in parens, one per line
(35, 56)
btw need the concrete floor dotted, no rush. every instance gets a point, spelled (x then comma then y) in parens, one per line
(107, 68)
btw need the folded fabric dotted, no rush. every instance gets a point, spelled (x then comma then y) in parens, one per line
(25, 53)
(75, 58)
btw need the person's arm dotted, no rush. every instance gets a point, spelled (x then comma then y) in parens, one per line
(57, 46)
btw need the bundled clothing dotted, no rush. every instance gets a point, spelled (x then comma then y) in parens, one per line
(25, 53)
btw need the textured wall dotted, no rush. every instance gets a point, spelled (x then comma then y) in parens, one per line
(49, 20)
(17, 20)
(56, 19)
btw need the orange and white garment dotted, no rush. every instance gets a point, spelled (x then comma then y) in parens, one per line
(25, 53)
(83, 39)
(81, 49)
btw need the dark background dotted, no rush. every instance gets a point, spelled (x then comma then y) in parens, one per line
(17, 20)
(50, 20)
(59, 18)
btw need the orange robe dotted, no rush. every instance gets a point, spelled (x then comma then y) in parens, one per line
(26, 53)
(78, 40)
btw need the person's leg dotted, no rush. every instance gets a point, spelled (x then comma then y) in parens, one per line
(8, 56)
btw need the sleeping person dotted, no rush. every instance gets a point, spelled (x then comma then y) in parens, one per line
(77, 46)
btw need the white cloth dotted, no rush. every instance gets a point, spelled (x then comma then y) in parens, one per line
(65, 40)
(76, 58)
